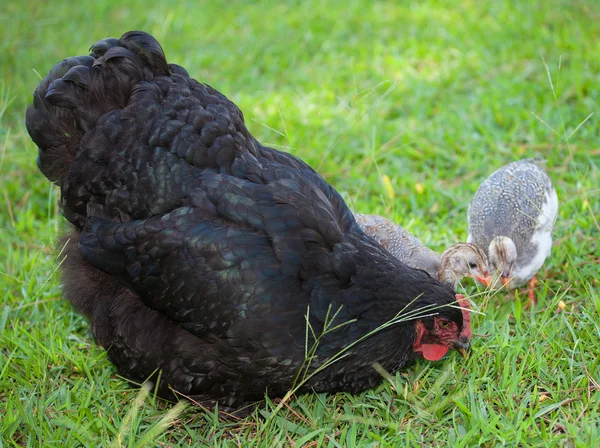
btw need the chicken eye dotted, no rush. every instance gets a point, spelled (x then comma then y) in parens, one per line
(444, 324)
(472, 265)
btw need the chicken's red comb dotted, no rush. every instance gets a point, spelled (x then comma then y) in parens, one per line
(464, 303)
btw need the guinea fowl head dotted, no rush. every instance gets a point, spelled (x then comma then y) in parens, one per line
(464, 260)
(503, 258)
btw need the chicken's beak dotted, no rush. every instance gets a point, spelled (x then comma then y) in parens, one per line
(506, 282)
(486, 281)
(461, 347)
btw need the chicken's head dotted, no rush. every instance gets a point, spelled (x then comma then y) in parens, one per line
(435, 336)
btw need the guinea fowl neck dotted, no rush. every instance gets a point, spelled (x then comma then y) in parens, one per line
(448, 277)
(446, 273)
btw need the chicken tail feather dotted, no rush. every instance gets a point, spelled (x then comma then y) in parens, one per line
(78, 91)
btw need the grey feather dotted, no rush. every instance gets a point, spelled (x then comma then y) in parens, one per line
(517, 201)
(457, 261)
(400, 243)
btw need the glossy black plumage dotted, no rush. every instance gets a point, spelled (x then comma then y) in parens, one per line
(197, 251)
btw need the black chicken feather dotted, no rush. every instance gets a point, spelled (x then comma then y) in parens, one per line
(197, 251)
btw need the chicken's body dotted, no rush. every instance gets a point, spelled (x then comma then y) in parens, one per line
(197, 252)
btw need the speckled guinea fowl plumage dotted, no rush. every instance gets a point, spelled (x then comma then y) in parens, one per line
(399, 242)
(197, 252)
(450, 267)
(517, 202)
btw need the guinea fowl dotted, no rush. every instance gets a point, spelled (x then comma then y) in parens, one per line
(458, 261)
(512, 216)
(201, 257)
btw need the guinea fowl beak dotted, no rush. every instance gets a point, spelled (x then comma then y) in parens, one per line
(461, 347)
(486, 281)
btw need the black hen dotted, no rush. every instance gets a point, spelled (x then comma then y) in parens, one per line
(197, 253)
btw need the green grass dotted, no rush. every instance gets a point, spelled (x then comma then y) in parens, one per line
(433, 94)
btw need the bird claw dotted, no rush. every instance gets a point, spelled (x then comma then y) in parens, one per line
(531, 293)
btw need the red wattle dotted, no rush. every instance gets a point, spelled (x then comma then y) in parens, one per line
(433, 352)
(464, 303)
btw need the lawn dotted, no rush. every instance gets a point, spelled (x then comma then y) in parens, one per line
(405, 107)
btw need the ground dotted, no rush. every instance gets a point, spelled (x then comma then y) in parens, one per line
(405, 107)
